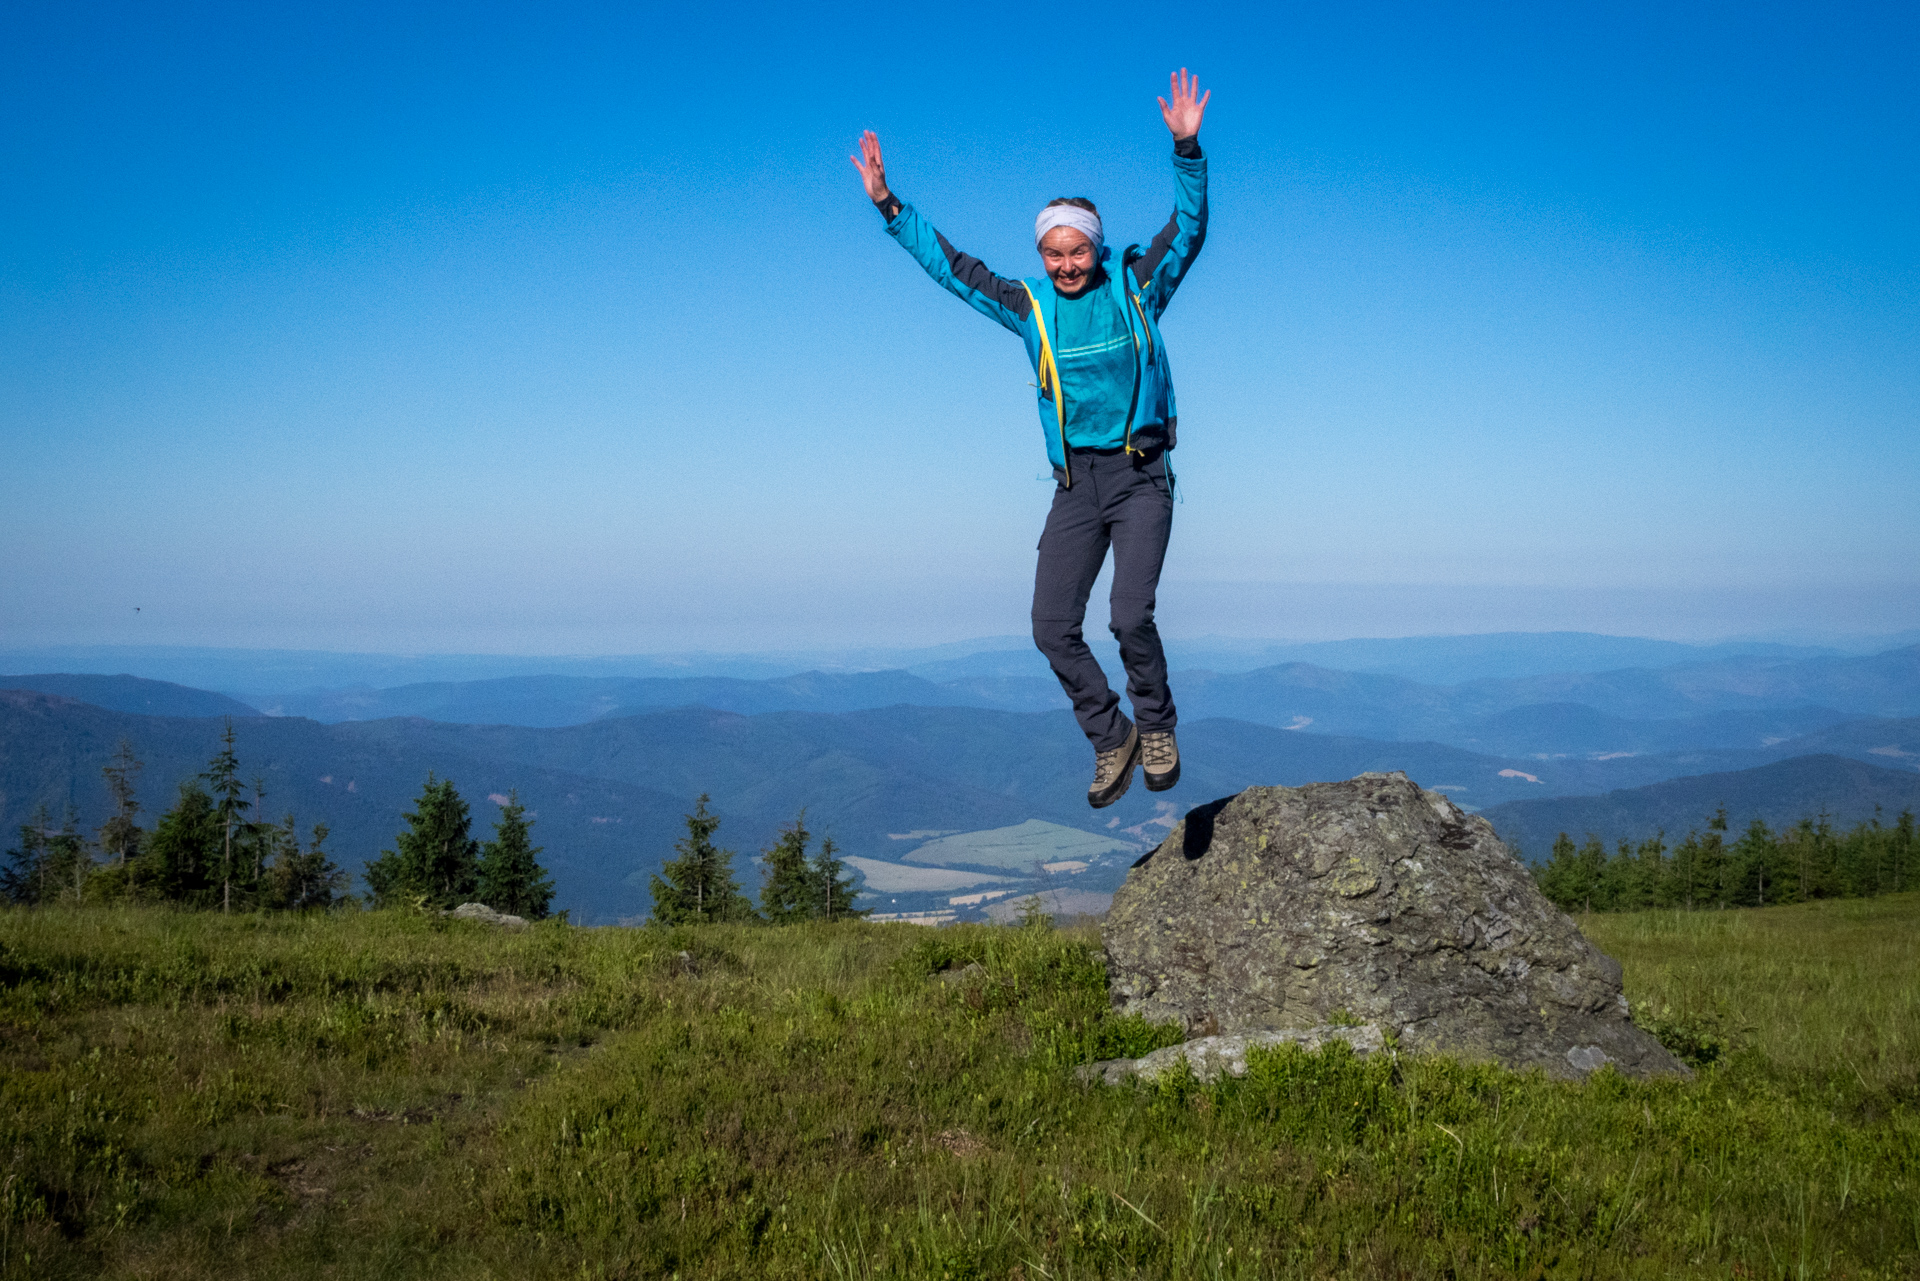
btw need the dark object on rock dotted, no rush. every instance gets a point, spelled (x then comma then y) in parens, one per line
(1370, 901)
(1210, 1056)
(487, 916)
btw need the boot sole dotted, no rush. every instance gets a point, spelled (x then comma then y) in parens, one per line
(1118, 788)
(1161, 782)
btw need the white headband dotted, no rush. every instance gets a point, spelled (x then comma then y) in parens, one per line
(1084, 221)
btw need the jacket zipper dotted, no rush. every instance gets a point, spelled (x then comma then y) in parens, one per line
(1134, 407)
(1049, 365)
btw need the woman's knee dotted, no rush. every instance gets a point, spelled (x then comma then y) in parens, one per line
(1055, 635)
(1131, 618)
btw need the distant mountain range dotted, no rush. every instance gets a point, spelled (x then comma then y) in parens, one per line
(249, 675)
(1740, 702)
(1848, 791)
(609, 794)
(551, 701)
(954, 776)
(132, 694)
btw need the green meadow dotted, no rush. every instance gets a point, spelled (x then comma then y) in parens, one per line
(368, 1094)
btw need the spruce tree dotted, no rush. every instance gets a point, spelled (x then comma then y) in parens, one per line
(120, 835)
(830, 893)
(182, 861)
(434, 862)
(699, 887)
(20, 881)
(67, 863)
(1754, 855)
(258, 846)
(303, 881)
(1652, 872)
(511, 878)
(1559, 877)
(1710, 864)
(223, 777)
(785, 896)
(1903, 851)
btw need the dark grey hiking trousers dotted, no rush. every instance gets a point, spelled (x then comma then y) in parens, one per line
(1120, 501)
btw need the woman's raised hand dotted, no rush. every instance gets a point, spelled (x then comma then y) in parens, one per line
(1182, 114)
(873, 170)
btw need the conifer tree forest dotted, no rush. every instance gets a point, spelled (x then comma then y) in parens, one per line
(1808, 860)
(698, 887)
(215, 848)
(803, 888)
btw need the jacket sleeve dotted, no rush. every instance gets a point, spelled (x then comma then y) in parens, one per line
(966, 277)
(1161, 269)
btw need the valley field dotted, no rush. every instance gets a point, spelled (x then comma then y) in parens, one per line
(380, 1095)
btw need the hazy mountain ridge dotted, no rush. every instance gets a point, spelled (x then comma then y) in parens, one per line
(609, 794)
(123, 693)
(1437, 660)
(1391, 707)
(1845, 789)
(547, 702)
(1742, 701)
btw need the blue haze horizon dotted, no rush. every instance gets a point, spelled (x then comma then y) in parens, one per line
(1430, 660)
(485, 330)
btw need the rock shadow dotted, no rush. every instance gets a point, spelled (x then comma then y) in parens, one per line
(1196, 836)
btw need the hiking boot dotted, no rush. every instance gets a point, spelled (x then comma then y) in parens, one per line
(1113, 772)
(1159, 759)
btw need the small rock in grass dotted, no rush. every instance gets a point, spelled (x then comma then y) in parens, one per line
(1209, 1057)
(487, 916)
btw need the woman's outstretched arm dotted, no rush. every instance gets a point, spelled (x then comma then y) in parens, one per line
(1165, 263)
(962, 275)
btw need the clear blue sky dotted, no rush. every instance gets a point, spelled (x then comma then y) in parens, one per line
(564, 328)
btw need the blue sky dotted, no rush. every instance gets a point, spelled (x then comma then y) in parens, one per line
(568, 329)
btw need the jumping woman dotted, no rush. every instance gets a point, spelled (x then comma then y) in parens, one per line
(1092, 332)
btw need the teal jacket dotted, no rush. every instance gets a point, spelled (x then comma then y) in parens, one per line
(1142, 287)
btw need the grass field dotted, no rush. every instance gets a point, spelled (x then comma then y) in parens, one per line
(378, 1095)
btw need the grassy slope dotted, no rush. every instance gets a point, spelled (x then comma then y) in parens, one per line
(380, 1096)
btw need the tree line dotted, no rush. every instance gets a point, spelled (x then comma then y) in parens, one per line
(438, 864)
(1808, 860)
(215, 849)
(698, 887)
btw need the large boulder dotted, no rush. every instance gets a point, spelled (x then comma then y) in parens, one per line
(1369, 901)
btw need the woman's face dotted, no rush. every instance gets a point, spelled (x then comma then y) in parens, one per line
(1069, 259)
